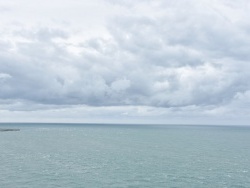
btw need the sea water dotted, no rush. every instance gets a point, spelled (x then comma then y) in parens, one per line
(91, 155)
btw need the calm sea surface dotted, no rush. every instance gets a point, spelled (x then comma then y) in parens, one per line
(75, 156)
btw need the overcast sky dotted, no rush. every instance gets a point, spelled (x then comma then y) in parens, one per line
(126, 61)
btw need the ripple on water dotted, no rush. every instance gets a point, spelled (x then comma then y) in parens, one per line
(124, 157)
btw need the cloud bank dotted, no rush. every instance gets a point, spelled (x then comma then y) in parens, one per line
(183, 61)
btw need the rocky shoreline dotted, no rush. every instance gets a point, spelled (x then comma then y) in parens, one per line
(3, 130)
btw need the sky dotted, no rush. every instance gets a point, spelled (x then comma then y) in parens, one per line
(125, 61)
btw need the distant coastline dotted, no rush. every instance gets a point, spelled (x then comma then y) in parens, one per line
(3, 130)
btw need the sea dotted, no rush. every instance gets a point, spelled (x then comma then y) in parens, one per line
(119, 155)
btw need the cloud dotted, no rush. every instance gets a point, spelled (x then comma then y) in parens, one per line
(173, 57)
(4, 9)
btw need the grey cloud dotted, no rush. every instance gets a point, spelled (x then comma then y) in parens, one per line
(127, 3)
(4, 8)
(177, 59)
(43, 34)
(5, 45)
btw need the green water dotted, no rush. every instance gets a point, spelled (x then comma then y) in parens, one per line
(70, 155)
